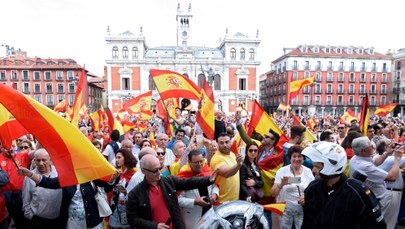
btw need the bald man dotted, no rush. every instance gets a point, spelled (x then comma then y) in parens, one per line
(153, 203)
(139, 176)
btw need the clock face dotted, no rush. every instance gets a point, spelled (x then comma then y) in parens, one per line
(184, 34)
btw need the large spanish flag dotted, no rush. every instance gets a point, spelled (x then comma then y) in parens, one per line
(173, 85)
(307, 135)
(10, 128)
(78, 103)
(385, 109)
(113, 123)
(261, 122)
(297, 85)
(139, 103)
(205, 116)
(282, 107)
(364, 115)
(75, 158)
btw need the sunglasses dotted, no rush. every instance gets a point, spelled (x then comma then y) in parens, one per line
(153, 171)
(253, 150)
(340, 127)
(24, 147)
(160, 153)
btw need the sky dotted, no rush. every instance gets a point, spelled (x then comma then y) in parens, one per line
(77, 28)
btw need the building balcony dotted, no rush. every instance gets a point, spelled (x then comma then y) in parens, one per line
(330, 68)
(350, 103)
(329, 91)
(307, 67)
(318, 91)
(384, 69)
(352, 80)
(37, 91)
(341, 91)
(341, 68)
(294, 67)
(373, 92)
(383, 92)
(362, 80)
(3, 79)
(340, 103)
(25, 79)
(341, 79)
(26, 91)
(362, 92)
(352, 68)
(363, 69)
(318, 67)
(373, 69)
(329, 79)
(352, 91)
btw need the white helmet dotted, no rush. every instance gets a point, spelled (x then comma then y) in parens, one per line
(332, 155)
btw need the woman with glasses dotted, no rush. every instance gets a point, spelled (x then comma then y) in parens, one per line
(125, 163)
(250, 176)
(164, 171)
(289, 185)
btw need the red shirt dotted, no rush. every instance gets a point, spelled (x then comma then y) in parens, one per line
(158, 205)
(7, 164)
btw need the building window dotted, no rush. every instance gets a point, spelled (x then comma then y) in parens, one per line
(49, 100)
(352, 77)
(60, 98)
(372, 100)
(14, 75)
(242, 84)
(373, 88)
(338, 50)
(71, 99)
(306, 74)
(125, 52)
(59, 75)
(362, 88)
(295, 76)
(115, 52)
(363, 77)
(383, 100)
(48, 88)
(71, 88)
(25, 75)
(37, 88)
(340, 88)
(317, 100)
(38, 98)
(125, 84)
(233, 53)
(201, 78)
(373, 77)
(217, 82)
(48, 76)
(384, 77)
(134, 52)
(351, 88)
(327, 50)
(329, 100)
(352, 67)
(384, 88)
(341, 77)
(251, 54)
(329, 88)
(15, 85)
(37, 76)
(351, 100)
(341, 66)
(242, 54)
(151, 83)
(340, 100)
(318, 88)
(318, 76)
(60, 88)
(70, 75)
(26, 88)
(306, 67)
(384, 69)
(295, 65)
(3, 75)
(329, 76)
(306, 100)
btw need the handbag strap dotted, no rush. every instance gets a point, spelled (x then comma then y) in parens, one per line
(94, 187)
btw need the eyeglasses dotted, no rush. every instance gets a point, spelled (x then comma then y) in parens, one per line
(253, 150)
(160, 153)
(24, 147)
(153, 171)
(340, 127)
(266, 136)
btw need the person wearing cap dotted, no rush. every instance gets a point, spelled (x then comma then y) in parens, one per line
(334, 201)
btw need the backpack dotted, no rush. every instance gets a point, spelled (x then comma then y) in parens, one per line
(114, 145)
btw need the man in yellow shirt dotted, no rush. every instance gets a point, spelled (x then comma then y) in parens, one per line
(228, 166)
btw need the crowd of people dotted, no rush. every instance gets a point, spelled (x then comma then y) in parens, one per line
(342, 180)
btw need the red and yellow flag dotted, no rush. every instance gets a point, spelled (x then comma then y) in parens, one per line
(364, 115)
(307, 135)
(205, 116)
(113, 123)
(10, 128)
(297, 85)
(348, 116)
(139, 103)
(282, 107)
(277, 208)
(95, 119)
(60, 107)
(261, 122)
(63, 141)
(311, 123)
(167, 106)
(385, 109)
(173, 85)
(78, 103)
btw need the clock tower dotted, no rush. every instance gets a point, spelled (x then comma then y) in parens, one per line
(183, 19)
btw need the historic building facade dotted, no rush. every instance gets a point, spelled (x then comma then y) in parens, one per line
(49, 80)
(230, 68)
(343, 75)
(398, 81)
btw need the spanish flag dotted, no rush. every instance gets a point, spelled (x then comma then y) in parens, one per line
(205, 116)
(348, 116)
(164, 108)
(79, 100)
(385, 109)
(139, 103)
(10, 128)
(282, 107)
(307, 135)
(277, 208)
(297, 85)
(113, 123)
(261, 122)
(311, 123)
(73, 155)
(60, 107)
(173, 85)
(364, 115)
(95, 119)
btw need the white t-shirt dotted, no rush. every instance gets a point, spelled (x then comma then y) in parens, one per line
(291, 192)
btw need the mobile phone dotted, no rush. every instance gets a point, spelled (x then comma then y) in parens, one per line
(242, 151)
(168, 221)
(294, 180)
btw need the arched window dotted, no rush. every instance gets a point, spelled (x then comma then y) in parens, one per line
(115, 52)
(242, 54)
(151, 83)
(201, 78)
(233, 53)
(217, 82)
(125, 52)
(251, 54)
(135, 52)
(186, 75)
